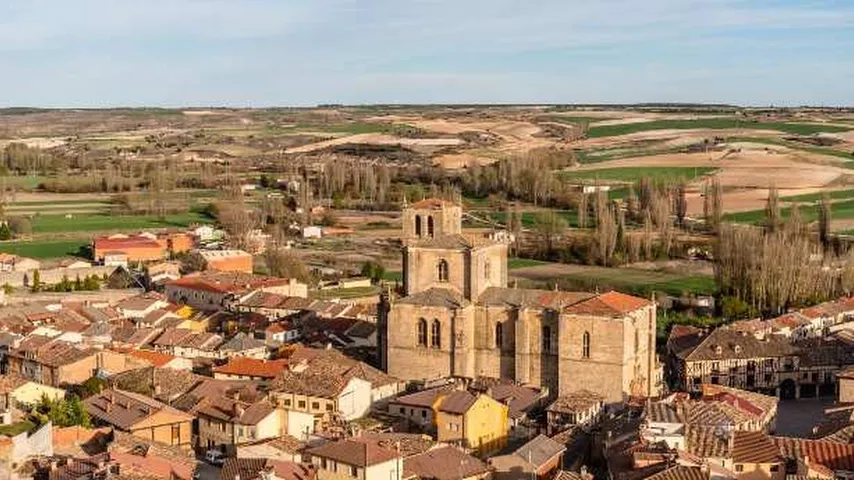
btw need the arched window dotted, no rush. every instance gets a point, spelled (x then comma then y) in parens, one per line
(499, 335)
(547, 339)
(585, 345)
(418, 225)
(422, 332)
(443, 270)
(487, 267)
(436, 334)
(430, 226)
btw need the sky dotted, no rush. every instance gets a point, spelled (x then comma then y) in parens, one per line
(257, 53)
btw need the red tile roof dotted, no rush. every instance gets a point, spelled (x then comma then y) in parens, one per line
(251, 367)
(835, 456)
(359, 452)
(754, 447)
(227, 282)
(610, 303)
(107, 243)
(157, 359)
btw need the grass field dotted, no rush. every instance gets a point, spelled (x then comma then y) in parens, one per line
(711, 124)
(514, 263)
(633, 174)
(346, 292)
(529, 219)
(630, 280)
(96, 222)
(393, 276)
(45, 248)
(839, 210)
(638, 149)
(815, 197)
(28, 183)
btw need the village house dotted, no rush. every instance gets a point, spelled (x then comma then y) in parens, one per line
(284, 448)
(58, 363)
(818, 459)
(138, 248)
(242, 345)
(198, 345)
(226, 260)
(162, 360)
(281, 332)
(475, 422)
(356, 459)
(540, 458)
(17, 392)
(218, 290)
(675, 419)
(139, 306)
(263, 468)
(445, 463)
(324, 394)
(225, 423)
(419, 407)
(141, 416)
(577, 409)
(245, 368)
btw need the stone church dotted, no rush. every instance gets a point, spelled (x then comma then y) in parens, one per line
(457, 317)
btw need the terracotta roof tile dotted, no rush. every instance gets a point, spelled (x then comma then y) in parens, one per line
(446, 463)
(835, 456)
(357, 451)
(251, 367)
(754, 447)
(610, 303)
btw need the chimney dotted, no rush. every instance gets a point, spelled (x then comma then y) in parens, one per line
(238, 410)
(53, 465)
(157, 389)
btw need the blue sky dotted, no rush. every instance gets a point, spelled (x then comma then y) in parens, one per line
(93, 53)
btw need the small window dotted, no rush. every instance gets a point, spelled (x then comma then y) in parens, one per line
(422, 332)
(585, 345)
(315, 405)
(301, 404)
(423, 413)
(418, 225)
(436, 334)
(499, 335)
(430, 226)
(287, 402)
(546, 339)
(442, 270)
(487, 269)
(176, 434)
(775, 468)
(354, 472)
(329, 407)
(739, 468)
(323, 464)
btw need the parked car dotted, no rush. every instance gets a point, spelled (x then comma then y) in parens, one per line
(214, 457)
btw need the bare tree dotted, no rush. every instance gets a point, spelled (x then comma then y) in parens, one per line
(773, 219)
(681, 201)
(583, 210)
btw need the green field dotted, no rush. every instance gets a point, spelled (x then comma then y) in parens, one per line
(28, 183)
(45, 248)
(96, 222)
(70, 203)
(346, 293)
(580, 120)
(629, 280)
(796, 146)
(711, 124)
(529, 219)
(393, 276)
(815, 197)
(839, 210)
(513, 263)
(633, 174)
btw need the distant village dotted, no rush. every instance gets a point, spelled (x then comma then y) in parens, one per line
(223, 373)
